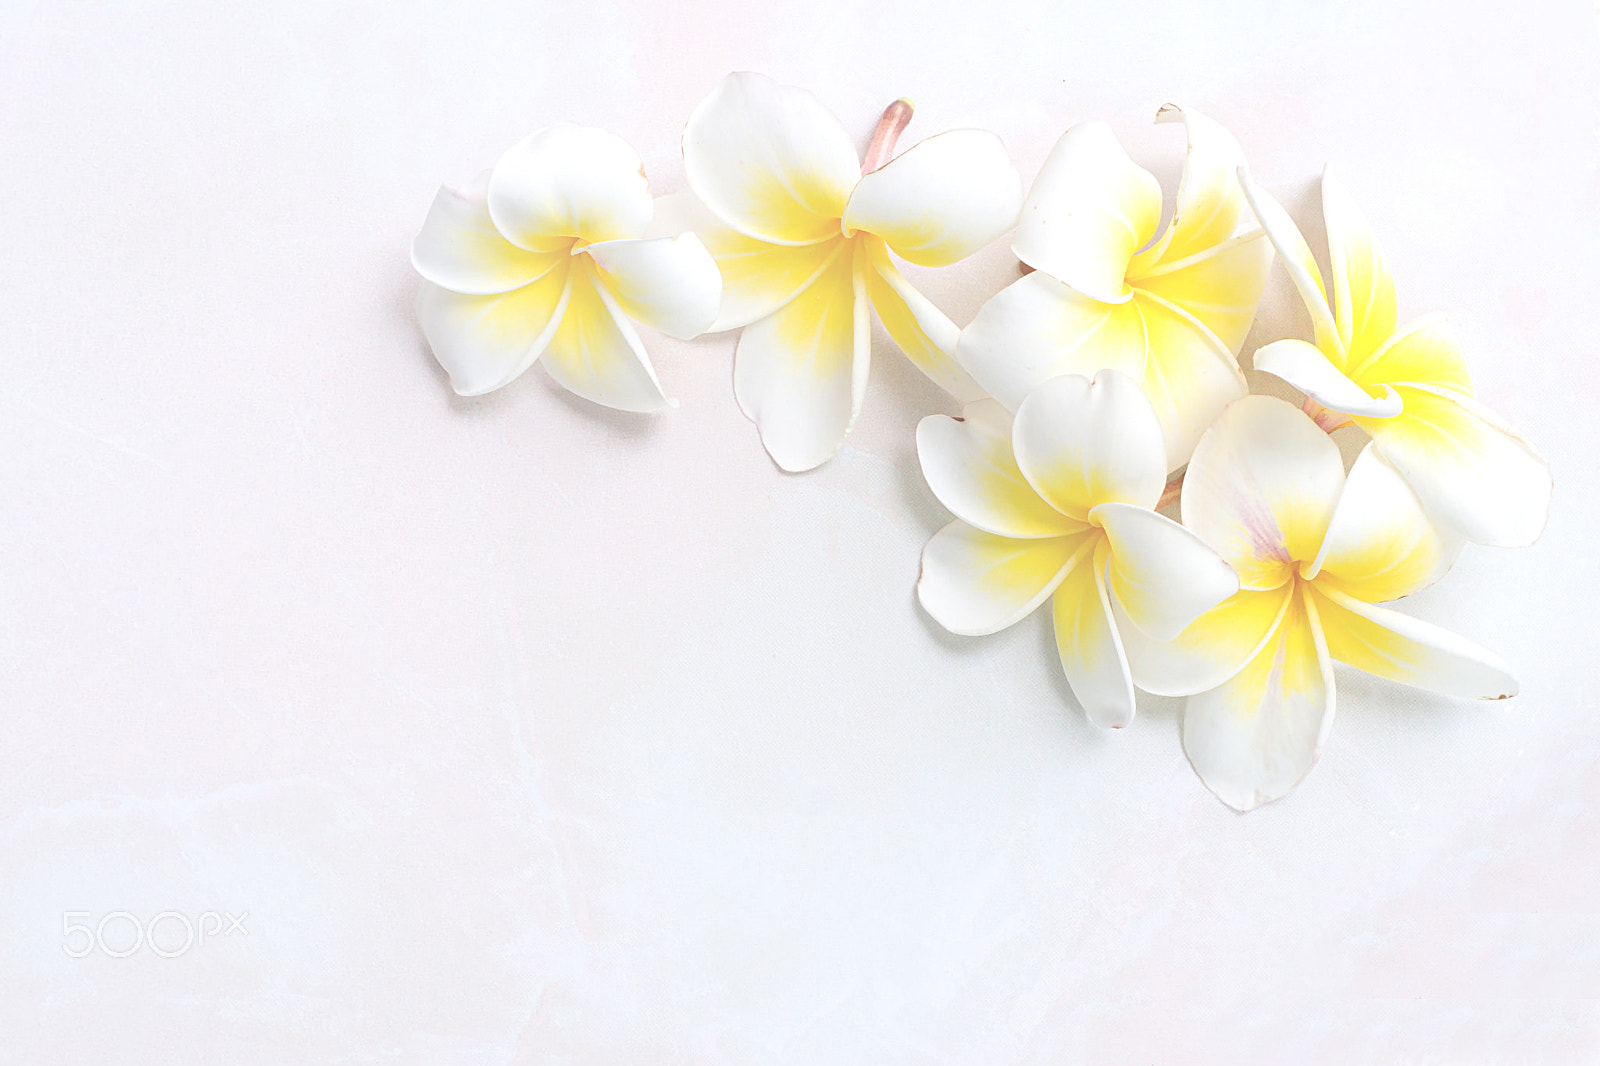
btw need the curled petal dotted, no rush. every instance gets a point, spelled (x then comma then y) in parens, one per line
(1163, 576)
(1090, 209)
(1081, 444)
(596, 352)
(1189, 377)
(975, 583)
(1363, 288)
(1211, 649)
(1219, 287)
(1037, 328)
(1425, 351)
(1255, 737)
(1413, 652)
(1380, 545)
(968, 464)
(1090, 649)
(569, 181)
(460, 250)
(484, 342)
(667, 283)
(1209, 198)
(1471, 471)
(1307, 369)
(1297, 259)
(770, 160)
(1261, 488)
(799, 374)
(941, 200)
(922, 331)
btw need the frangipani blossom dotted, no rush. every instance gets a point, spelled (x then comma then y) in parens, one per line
(543, 256)
(803, 236)
(1169, 311)
(1407, 388)
(1059, 500)
(1314, 549)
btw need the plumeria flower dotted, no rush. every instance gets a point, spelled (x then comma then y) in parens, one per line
(803, 233)
(1314, 550)
(1059, 501)
(543, 257)
(1169, 311)
(1407, 388)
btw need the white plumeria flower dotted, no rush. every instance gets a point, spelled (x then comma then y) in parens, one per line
(543, 256)
(1314, 549)
(803, 236)
(1059, 501)
(1407, 388)
(1170, 311)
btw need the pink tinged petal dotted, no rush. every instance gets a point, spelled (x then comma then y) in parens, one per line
(1261, 487)
(975, 583)
(968, 464)
(1307, 369)
(1219, 287)
(1163, 576)
(1471, 471)
(596, 353)
(1363, 288)
(797, 373)
(1036, 329)
(569, 181)
(670, 284)
(941, 200)
(1090, 209)
(484, 342)
(1081, 444)
(1189, 377)
(1255, 737)
(1380, 544)
(460, 250)
(770, 160)
(1089, 646)
(1425, 351)
(1209, 198)
(1211, 649)
(1405, 649)
(920, 330)
(1296, 257)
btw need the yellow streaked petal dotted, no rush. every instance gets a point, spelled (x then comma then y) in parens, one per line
(1163, 576)
(975, 583)
(1209, 199)
(596, 353)
(969, 465)
(1220, 287)
(1306, 368)
(667, 283)
(1081, 443)
(1090, 209)
(1363, 288)
(1405, 649)
(568, 181)
(1189, 376)
(922, 331)
(484, 342)
(1210, 649)
(757, 277)
(460, 250)
(1255, 737)
(1296, 257)
(1088, 644)
(1425, 351)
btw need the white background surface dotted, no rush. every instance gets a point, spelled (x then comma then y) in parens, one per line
(527, 732)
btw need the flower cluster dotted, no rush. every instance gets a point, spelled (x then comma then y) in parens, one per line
(1087, 383)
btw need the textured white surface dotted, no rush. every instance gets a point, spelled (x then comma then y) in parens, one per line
(529, 732)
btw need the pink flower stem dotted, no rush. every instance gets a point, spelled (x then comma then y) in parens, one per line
(1170, 494)
(893, 123)
(1326, 420)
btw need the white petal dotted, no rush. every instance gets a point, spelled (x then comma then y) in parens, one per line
(1089, 646)
(968, 464)
(1255, 737)
(799, 374)
(1037, 328)
(975, 583)
(596, 352)
(941, 200)
(1090, 209)
(569, 182)
(1213, 648)
(1380, 544)
(1081, 444)
(1307, 369)
(484, 342)
(460, 249)
(1363, 288)
(770, 160)
(1405, 649)
(1163, 576)
(1189, 375)
(1471, 471)
(922, 331)
(1261, 488)
(667, 283)
(1209, 198)
(1296, 257)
